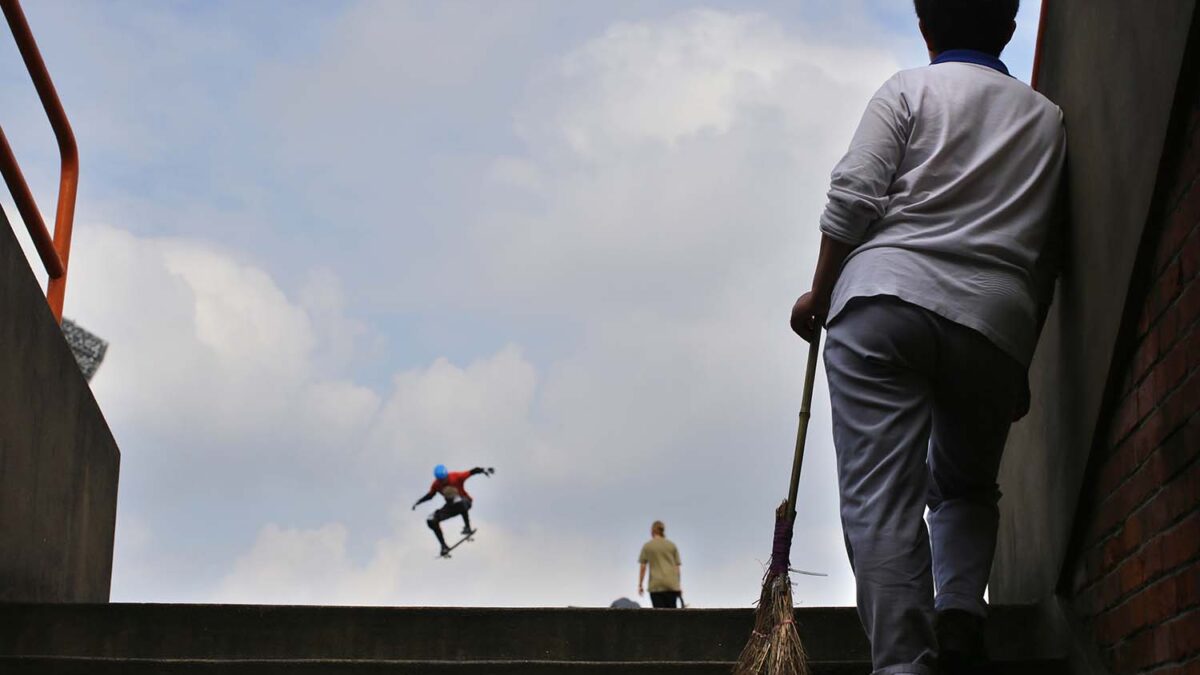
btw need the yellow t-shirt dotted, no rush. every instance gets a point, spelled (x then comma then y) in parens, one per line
(663, 559)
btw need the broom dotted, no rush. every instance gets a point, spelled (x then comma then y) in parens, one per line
(774, 647)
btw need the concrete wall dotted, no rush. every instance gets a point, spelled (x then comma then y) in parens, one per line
(58, 460)
(1113, 67)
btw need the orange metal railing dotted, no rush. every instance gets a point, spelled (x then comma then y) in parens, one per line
(1034, 79)
(54, 251)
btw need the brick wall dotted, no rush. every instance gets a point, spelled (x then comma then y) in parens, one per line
(1136, 578)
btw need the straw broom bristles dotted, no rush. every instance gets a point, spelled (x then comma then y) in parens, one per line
(774, 647)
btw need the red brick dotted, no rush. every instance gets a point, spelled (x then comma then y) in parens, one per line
(1177, 453)
(1164, 649)
(1174, 365)
(1147, 397)
(1182, 404)
(1137, 652)
(1189, 256)
(1181, 494)
(1113, 472)
(1118, 548)
(1164, 256)
(1189, 303)
(1181, 543)
(1187, 588)
(1152, 517)
(1180, 219)
(1145, 481)
(1167, 331)
(1145, 356)
(1168, 374)
(1109, 590)
(1097, 563)
(1132, 575)
(1162, 601)
(1108, 516)
(1162, 379)
(1185, 634)
(1132, 653)
(1106, 628)
(1152, 559)
(1166, 288)
(1142, 536)
(1192, 339)
(1148, 436)
(1132, 535)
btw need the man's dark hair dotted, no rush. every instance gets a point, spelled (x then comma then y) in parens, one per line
(982, 25)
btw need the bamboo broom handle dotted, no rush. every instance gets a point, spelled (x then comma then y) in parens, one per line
(810, 374)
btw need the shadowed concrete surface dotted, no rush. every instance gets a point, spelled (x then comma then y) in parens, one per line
(58, 460)
(1113, 67)
(114, 638)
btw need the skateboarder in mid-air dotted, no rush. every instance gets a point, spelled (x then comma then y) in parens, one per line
(458, 502)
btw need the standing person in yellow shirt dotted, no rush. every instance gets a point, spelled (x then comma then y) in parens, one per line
(661, 555)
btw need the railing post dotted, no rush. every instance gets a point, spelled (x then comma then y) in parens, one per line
(1035, 76)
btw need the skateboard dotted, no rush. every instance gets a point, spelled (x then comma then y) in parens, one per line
(466, 538)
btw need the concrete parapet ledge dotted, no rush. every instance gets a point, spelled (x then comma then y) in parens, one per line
(58, 461)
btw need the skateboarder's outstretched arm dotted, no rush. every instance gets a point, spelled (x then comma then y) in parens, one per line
(478, 470)
(422, 500)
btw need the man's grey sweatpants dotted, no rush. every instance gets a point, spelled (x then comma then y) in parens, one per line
(921, 410)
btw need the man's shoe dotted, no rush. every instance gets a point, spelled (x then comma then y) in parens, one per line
(445, 550)
(960, 643)
(467, 531)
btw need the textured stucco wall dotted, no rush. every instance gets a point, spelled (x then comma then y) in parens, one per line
(58, 460)
(1113, 66)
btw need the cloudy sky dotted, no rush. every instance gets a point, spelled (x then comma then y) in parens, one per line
(335, 243)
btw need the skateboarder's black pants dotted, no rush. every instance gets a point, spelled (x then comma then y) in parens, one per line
(665, 599)
(449, 510)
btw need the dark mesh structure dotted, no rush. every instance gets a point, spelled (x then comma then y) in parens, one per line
(88, 349)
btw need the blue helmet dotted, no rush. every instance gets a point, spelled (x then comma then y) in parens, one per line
(440, 472)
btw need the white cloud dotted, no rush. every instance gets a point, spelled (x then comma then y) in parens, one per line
(695, 73)
(672, 159)
(196, 334)
(448, 414)
(288, 565)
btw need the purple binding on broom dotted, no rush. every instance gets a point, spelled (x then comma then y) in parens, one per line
(781, 550)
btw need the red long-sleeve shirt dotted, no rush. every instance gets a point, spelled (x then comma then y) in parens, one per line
(456, 479)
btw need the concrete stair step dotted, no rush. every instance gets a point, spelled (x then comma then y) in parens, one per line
(151, 639)
(86, 666)
(34, 665)
(434, 634)
(247, 632)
